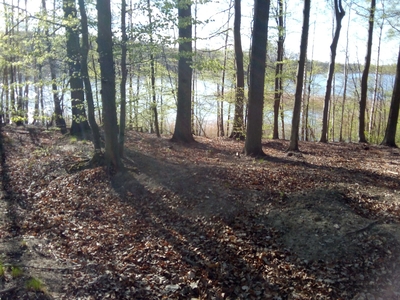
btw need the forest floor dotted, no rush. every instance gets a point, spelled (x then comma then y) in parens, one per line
(199, 221)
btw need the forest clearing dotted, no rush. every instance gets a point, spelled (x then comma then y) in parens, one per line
(198, 221)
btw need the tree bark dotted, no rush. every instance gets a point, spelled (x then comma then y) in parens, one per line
(79, 125)
(253, 145)
(238, 125)
(124, 73)
(106, 59)
(279, 68)
(85, 76)
(339, 15)
(183, 124)
(58, 113)
(294, 136)
(364, 78)
(152, 73)
(390, 133)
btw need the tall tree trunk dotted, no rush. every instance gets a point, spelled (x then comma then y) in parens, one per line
(346, 77)
(339, 15)
(96, 90)
(364, 79)
(306, 124)
(238, 125)
(390, 133)
(183, 128)
(58, 113)
(195, 126)
(294, 136)
(152, 73)
(222, 98)
(79, 125)
(279, 68)
(86, 79)
(105, 50)
(372, 119)
(124, 73)
(253, 145)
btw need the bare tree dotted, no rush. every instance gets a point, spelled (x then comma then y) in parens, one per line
(279, 67)
(79, 124)
(106, 59)
(339, 15)
(294, 136)
(183, 130)
(364, 78)
(390, 133)
(122, 113)
(85, 76)
(253, 145)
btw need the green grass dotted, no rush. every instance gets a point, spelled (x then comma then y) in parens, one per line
(2, 270)
(35, 284)
(73, 139)
(16, 272)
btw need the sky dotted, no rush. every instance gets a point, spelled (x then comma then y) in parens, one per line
(320, 32)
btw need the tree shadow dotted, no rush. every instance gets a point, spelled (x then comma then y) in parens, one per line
(228, 249)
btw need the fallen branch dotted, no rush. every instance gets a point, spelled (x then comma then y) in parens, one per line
(369, 226)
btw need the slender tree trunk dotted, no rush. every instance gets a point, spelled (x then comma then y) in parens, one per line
(96, 90)
(294, 136)
(238, 125)
(105, 50)
(346, 78)
(390, 133)
(364, 79)
(222, 98)
(183, 122)
(279, 68)
(339, 15)
(152, 73)
(58, 113)
(306, 124)
(194, 120)
(122, 115)
(253, 145)
(86, 79)
(372, 119)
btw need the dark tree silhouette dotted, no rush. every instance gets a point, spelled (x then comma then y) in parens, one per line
(86, 79)
(294, 136)
(106, 59)
(390, 133)
(279, 67)
(183, 124)
(364, 78)
(80, 123)
(238, 125)
(339, 15)
(253, 145)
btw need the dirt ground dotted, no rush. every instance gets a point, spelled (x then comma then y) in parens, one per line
(198, 221)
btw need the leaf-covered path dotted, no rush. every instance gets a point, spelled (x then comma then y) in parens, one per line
(201, 221)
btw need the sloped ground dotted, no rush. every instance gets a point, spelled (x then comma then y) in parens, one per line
(199, 221)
